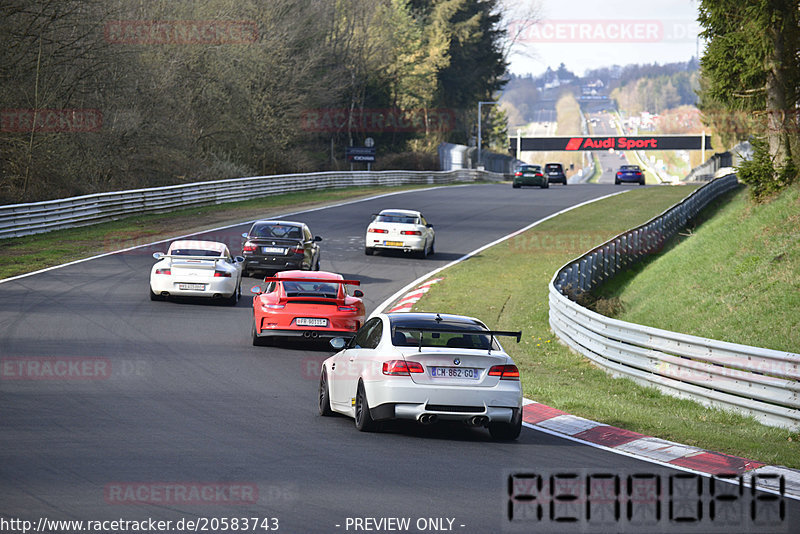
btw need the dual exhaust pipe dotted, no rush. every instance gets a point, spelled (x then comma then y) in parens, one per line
(310, 334)
(476, 420)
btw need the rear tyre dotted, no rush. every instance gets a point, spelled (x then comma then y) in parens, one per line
(545, 185)
(364, 422)
(424, 252)
(432, 244)
(257, 341)
(324, 395)
(234, 298)
(616, 182)
(507, 431)
(154, 296)
(515, 186)
(369, 251)
(641, 182)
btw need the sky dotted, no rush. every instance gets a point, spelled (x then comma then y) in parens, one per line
(586, 34)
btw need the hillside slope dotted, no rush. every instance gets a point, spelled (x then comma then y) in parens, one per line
(734, 277)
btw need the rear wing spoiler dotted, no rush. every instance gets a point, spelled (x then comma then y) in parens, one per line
(322, 280)
(183, 257)
(476, 332)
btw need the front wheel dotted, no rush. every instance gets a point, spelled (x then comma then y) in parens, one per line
(507, 431)
(324, 395)
(364, 421)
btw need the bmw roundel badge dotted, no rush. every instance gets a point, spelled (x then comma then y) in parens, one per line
(457, 361)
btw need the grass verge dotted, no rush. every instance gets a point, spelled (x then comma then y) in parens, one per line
(29, 253)
(507, 285)
(734, 276)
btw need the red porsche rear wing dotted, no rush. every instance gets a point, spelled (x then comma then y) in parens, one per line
(321, 280)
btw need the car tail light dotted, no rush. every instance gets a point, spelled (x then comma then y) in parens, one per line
(410, 232)
(518, 173)
(249, 247)
(351, 309)
(505, 372)
(274, 306)
(378, 231)
(221, 274)
(297, 250)
(401, 368)
(164, 271)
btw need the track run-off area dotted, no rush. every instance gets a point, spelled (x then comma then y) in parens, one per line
(173, 415)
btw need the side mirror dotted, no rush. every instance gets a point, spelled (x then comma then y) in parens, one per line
(358, 293)
(317, 238)
(158, 255)
(238, 259)
(337, 343)
(244, 235)
(256, 289)
(429, 225)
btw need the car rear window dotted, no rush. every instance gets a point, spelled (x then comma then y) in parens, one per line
(553, 167)
(311, 289)
(403, 335)
(278, 230)
(396, 218)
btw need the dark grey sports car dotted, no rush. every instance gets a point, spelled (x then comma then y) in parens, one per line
(272, 246)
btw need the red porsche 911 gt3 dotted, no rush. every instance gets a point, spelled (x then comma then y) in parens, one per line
(306, 304)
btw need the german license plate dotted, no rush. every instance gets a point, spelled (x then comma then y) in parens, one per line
(310, 321)
(393, 243)
(455, 372)
(273, 250)
(192, 287)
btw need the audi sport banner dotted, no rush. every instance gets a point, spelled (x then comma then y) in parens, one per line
(599, 142)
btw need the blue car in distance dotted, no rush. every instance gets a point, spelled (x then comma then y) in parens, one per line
(629, 173)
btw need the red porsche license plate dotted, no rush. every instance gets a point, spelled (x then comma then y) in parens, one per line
(310, 321)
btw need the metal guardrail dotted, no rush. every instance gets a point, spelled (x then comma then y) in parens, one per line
(760, 382)
(38, 217)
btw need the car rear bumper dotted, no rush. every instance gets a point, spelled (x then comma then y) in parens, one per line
(411, 401)
(313, 333)
(415, 244)
(277, 263)
(217, 287)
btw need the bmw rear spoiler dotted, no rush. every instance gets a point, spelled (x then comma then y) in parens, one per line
(477, 332)
(323, 280)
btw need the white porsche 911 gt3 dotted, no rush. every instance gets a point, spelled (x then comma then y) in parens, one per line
(424, 367)
(405, 230)
(197, 269)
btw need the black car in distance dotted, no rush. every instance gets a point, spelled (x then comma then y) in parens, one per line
(272, 246)
(555, 173)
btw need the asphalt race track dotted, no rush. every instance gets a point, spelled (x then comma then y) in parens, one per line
(178, 416)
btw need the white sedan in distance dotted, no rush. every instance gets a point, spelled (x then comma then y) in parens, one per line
(197, 269)
(424, 367)
(405, 230)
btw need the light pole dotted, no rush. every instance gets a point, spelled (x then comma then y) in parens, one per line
(480, 103)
